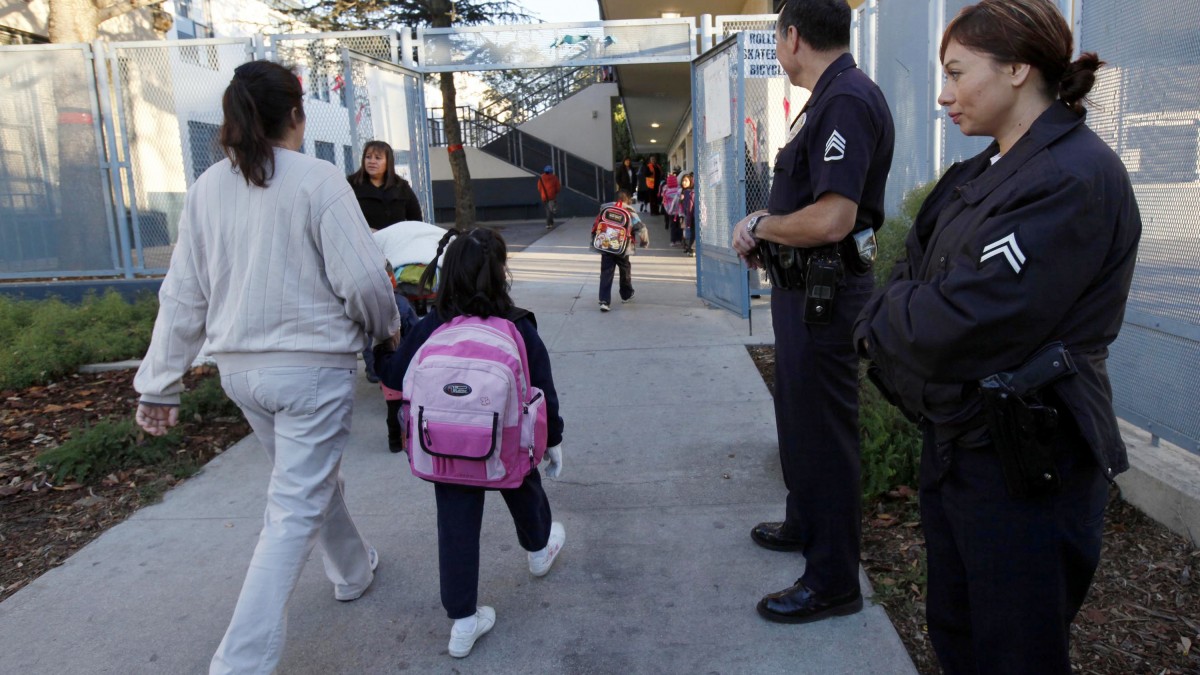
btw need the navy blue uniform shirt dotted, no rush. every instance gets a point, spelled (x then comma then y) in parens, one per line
(843, 144)
(1002, 259)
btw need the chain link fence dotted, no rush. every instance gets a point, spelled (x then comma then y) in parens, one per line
(718, 111)
(55, 204)
(390, 106)
(1146, 106)
(167, 103)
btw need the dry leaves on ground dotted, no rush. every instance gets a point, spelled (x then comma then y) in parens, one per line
(43, 523)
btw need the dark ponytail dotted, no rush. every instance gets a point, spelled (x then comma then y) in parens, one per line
(258, 106)
(474, 278)
(1078, 79)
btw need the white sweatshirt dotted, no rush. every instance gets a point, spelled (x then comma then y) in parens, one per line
(286, 275)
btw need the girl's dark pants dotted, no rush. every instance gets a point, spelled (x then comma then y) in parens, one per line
(608, 262)
(460, 517)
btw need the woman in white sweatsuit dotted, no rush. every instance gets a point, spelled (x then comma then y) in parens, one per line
(276, 266)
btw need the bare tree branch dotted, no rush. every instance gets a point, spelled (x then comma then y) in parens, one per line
(124, 7)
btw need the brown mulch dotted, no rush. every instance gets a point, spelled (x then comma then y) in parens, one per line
(41, 523)
(1142, 614)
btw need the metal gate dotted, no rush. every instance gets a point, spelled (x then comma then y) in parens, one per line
(354, 93)
(741, 104)
(161, 132)
(390, 106)
(718, 108)
(55, 197)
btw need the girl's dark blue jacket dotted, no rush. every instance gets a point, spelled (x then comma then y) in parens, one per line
(395, 365)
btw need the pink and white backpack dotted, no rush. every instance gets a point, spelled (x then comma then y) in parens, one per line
(469, 413)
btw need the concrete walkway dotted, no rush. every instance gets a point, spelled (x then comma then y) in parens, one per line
(670, 458)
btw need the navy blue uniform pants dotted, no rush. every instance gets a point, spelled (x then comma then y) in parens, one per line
(609, 262)
(1007, 575)
(816, 418)
(460, 517)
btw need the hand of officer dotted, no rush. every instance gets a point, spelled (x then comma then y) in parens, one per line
(745, 243)
(554, 461)
(156, 420)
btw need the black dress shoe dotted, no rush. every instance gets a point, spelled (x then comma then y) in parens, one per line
(772, 536)
(798, 604)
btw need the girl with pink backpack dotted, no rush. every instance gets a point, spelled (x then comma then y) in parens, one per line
(474, 328)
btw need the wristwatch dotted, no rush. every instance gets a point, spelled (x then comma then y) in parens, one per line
(752, 224)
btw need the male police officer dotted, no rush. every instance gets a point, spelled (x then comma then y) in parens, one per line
(816, 241)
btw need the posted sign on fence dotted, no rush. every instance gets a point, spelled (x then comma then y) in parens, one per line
(760, 54)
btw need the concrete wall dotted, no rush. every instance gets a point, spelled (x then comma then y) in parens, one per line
(482, 165)
(581, 125)
(498, 199)
(1163, 482)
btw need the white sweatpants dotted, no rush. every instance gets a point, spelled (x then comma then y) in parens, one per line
(301, 417)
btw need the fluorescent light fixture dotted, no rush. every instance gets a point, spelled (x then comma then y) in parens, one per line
(654, 125)
(653, 140)
(670, 15)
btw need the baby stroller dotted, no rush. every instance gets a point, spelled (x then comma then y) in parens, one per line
(409, 246)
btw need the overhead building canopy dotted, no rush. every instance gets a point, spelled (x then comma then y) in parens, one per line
(659, 94)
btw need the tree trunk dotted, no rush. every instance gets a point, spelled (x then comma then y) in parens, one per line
(464, 197)
(81, 230)
(73, 21)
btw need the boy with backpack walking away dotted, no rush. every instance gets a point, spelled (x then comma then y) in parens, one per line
(612, 233)
(548, 189)
(479, 411)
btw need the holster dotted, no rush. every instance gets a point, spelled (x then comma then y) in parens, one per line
(824, 271)
(784, 264)
(1023, 428)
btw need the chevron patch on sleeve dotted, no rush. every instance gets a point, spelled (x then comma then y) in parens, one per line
(835, 147)
(1008, 248)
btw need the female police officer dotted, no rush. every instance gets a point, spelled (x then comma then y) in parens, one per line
(1029, 244)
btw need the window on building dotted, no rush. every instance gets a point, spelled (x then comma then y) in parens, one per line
(205, 149)
(192, 22)
(348, 159)
(325, 151)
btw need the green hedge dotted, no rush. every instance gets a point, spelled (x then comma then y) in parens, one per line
(46, 339)
(93, 452)
(891, 445)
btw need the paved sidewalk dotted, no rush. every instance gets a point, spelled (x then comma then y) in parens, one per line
(670, 458)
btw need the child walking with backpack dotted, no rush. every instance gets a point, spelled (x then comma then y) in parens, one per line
(479, 409)
(612, 233)
(688, 184)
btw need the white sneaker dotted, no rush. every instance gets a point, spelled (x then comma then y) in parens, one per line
(604, 307)
(626, 301)
(373, 558)
(462, 642)
(540, 561)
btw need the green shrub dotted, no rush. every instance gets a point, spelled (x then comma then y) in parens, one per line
(46, 339)
(891, 445)
(895, 230)
(206, 401)
(111, 445)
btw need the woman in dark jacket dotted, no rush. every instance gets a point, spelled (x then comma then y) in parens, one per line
(384, 197)
(1027, 248)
